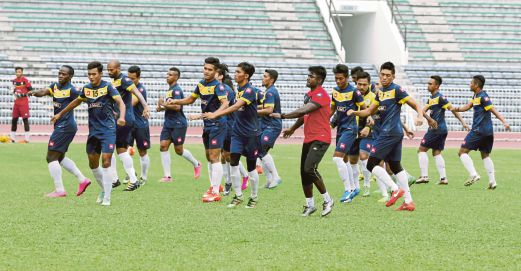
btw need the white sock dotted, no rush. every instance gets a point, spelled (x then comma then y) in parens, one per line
(423, 159)
(404, 184)
(440, 164)
(326, 197)
(113, 167)
(258, 162)
(165, 161)
(310, 202)
(107, 182)
(468, 164)
(56, 173)
(98, 175)
(128, 165)
(145, 164)
(381, 174)
(71, 167)
(270, 165)
(254, 182)
(226, 173)
(267, 172)
(217, 175)
(356, 172)
(236, 180)
(190, 158)
(367, 173)
(382, 187)
(342, 172)
(350, 176)
(489, 167)
(12, 135)
(209, 167)
(27, 136)
(244, 173)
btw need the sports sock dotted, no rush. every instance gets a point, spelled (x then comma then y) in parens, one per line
(326, 197)
(209, 167)
(98, 175)
(356, 172)
(244, 173)
(381, 174)
(310, 202)
(404, 184)
(128, 165)
(367, 173)
(56, 173)
(226, 173)
(71, 167)
(270, 165)
(236, 180)
(254, 182)
(107, 182)
(342, 172)
(382, 188)
(145, 164)
(217, 175)
(165, 161)
(27, 136)
(189, 157)
(267, 173)
(12, 135)
(440, 164)
(350, 176)
(468, 164)
(423, 159)
(489, 166)
(113, 167)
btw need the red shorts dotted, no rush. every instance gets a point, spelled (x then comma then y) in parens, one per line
(21, 110)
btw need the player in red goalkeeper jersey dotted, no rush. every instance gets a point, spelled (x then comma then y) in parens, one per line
(21, 86)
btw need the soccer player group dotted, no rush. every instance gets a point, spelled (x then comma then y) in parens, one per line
(247, 123)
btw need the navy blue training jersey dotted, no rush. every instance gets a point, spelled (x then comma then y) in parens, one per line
(271, 98)
(62, 96)
(140, 121)
(247, 122)
(210, 93)
(482, 119)
(100, 101)
(124, 85)
(389, 101)
(344, 100)
(438, 104)
(175, 119)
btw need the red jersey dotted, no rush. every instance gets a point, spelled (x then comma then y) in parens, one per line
(316, 123)
(21, 86)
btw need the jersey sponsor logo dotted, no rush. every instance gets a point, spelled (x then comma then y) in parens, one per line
(382, 108)
(358, 93)
(248, 90)
(486, 99)
(95, 93)
(145, 143)
(57, 104)
(221, 87)
(434, 101)
(180, 139)
(386, 95)
(177, 92)
(341, 108)
(95, 105)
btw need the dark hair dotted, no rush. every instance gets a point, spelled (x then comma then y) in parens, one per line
(212, 60)
(71, 70)
(479, 80)
(341, 68)
(223, 70)
(361, 75)
(437, 79)
(247, 68)
(135, 69)
(95, 65)
(174, 69)
(388, 66)
(320, 71)
(18, 68)
(273, 74)
(356, 70)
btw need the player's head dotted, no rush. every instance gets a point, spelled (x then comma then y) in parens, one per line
(94, 72)
(316, 76)
(341, 72)
(210, 68)
(387, 72)
(114, 68)
(477, 83)
(173, 75)
(223, 75)
(363, 82)
(269, 78)
(244, 72)
(19, 72)
(134, 73)
(434, 83)
(355, 71)
(65, 74)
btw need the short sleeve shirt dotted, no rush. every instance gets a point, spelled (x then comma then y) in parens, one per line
(100, 101)
(316, 123)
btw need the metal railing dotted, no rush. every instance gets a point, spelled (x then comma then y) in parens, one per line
(402, 27)
(336, 20)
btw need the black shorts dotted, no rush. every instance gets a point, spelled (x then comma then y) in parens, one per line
(312, 154)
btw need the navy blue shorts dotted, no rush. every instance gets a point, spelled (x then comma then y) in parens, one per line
(387, 148)
(141, 136)
(246, 146)
(101, 144)
(433, 141)
(175, 135)
(344, 141)
(366, 144)
(60, 141)
(355, 148)
(227, 139)
(213, 137)
(267, 140)
(477, 141)
(123, 136)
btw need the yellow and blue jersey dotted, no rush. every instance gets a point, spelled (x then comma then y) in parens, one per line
(210, 94)
(62, 96)
(344, 100)
(124, 85)
(482, 119)
(369, 97)
(230, 94)
(100, 101)
(175, 119)
(140, 121)
(389, 101)
(438, 104)
(271, 98)
(246, 122)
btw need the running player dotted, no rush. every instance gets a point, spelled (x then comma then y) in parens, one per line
(245, 133)
(388, 145)
(270, 127)
(62, 93)
(126, 88)
(21, 104)
(481, 136)
(435, 138)
(174, 127)
(213, 97)
(100, 97)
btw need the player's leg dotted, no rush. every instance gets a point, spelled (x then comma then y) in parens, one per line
(122, 143)
(142, 138)
(423, 160)
(55, 171)
(225, 161)
(27, 134)
(251, 150)
(235, 173)
(365, 148)
(353, 163)
(179, 139)
(166, 138)
(14, 124)
(315, 155)
(345, 172)
(93, 149)
(307, 182)
(216, 140)
(402, 177)
(106, 158)
(244, 175)
(379, 151)
(440, 165)
(486, 148)
(471, 142)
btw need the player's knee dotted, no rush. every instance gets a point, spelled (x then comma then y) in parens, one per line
(372, 162)
(396, 166)
(142, 152)
(251, 164)
(179, 150)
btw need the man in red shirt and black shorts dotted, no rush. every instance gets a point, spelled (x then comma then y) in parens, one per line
(317, 137)
(21, 103)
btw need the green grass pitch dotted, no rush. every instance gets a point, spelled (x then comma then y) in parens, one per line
(167, 227)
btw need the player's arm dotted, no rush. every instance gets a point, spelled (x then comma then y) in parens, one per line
(122, 108)
(162, 105)
(407, 130)
(288, 132)
(40, 93)
(69, 107)
(135, 100)
(266, 110)
(464, 108)
(185, 101)
(137, 93)
(419, 118)
(500, 118)
(306, 109)
(365, 112)
(224, 109)
(458, 116)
